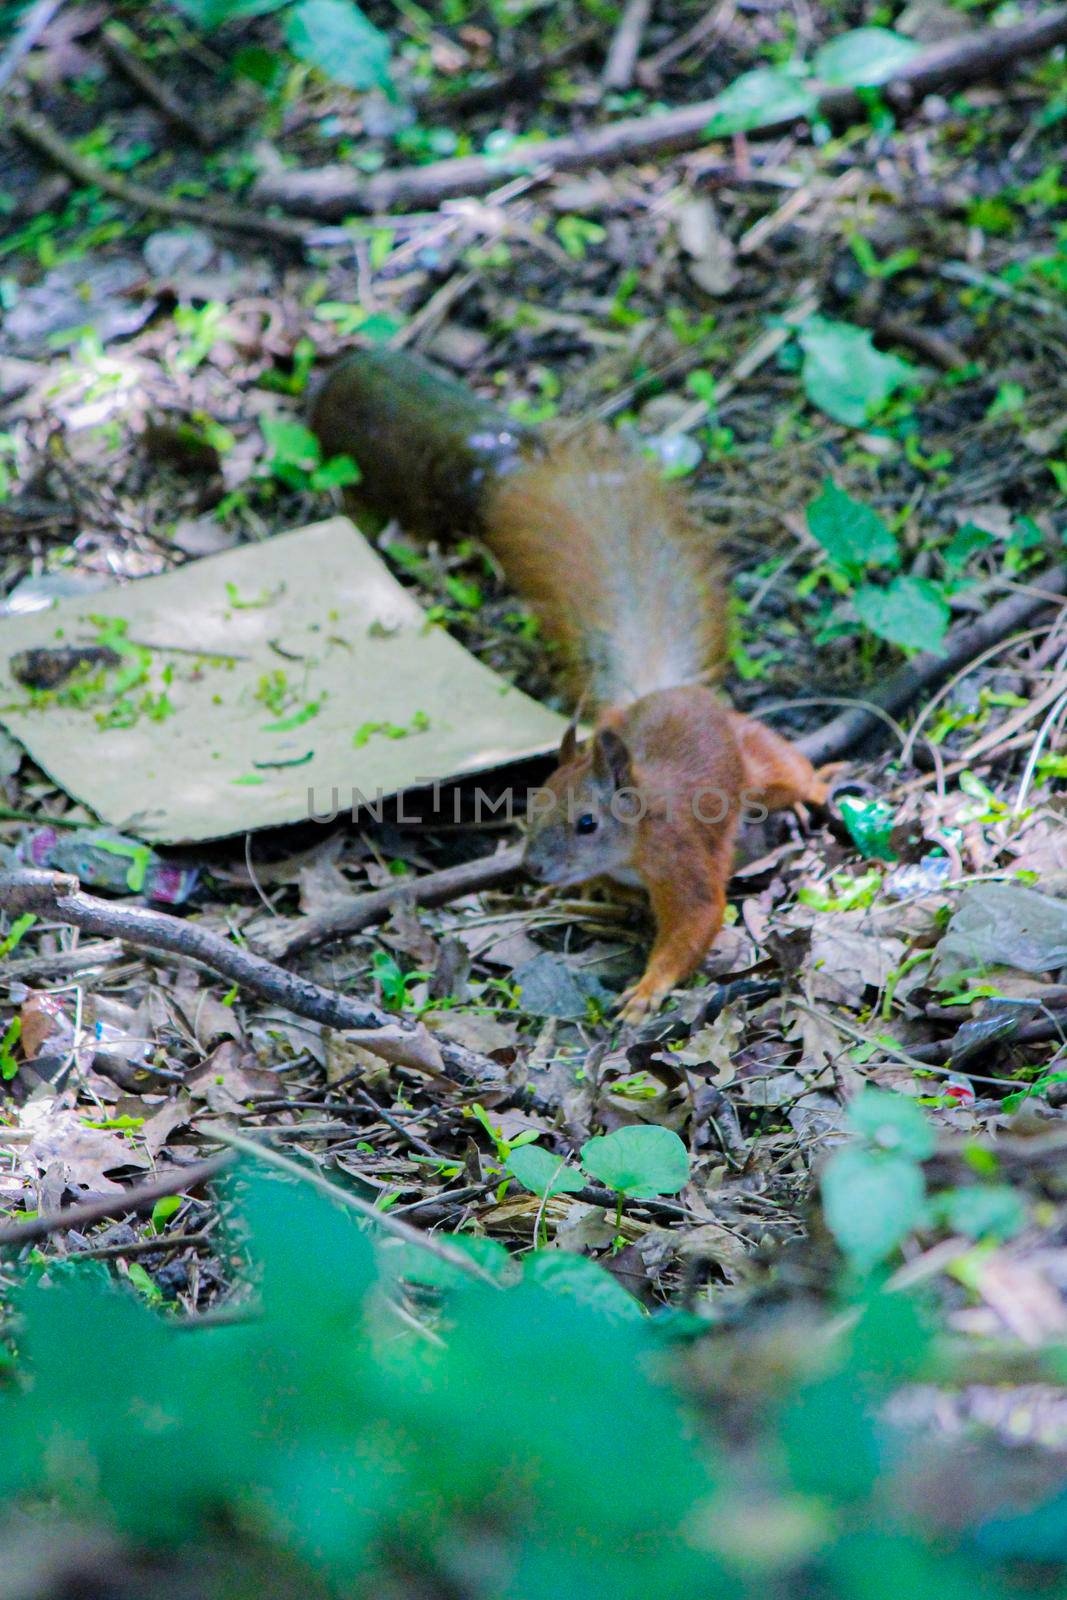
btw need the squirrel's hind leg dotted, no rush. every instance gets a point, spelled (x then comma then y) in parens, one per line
(776, 774)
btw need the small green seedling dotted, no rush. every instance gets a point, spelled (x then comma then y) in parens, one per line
(637, 1163)
(8, 1064)
(163, 1210)
(501, 1143)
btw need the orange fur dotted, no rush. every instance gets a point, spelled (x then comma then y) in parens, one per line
(622, 574)
(663, 780)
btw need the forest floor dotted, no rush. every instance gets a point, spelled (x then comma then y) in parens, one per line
(669, 294)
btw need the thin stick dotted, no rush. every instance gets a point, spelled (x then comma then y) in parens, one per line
(39, 133)
(58, 895)
(622, 57)
(173, 108)
(140, 1197)
(433, 889)
(711, 25)
(30, 29)
(332, 192)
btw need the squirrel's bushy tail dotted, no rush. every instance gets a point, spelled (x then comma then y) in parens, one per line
(621, 572)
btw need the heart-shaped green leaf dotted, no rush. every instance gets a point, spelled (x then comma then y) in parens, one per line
(863, 58)
(871, 1201)
(639, 1162)
(757, 98)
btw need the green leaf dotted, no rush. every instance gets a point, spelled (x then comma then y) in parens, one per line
(759, 97)
(909, 612)
(19, 929)
(290, 441)
(592, 1285)
(213, 13)
(871, 1202)
(964, 544)
(639, 1161)
(981, 1211)
(893, 1123)
(541, 1172)
(164, 1209)
(340, 472)
(852, 534)
(844, 375)
(336, 37)
(863, 58)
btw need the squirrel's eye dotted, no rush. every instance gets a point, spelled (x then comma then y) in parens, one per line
(586, 823)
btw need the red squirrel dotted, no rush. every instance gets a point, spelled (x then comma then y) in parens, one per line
(625, 579)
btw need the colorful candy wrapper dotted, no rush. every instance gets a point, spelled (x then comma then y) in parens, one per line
(103, 859)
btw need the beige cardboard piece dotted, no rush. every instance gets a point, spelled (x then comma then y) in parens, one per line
(316, 605)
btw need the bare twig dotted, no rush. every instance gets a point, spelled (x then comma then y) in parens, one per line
(926, 342)
(711, 25)
(332, 192)
(622, 57)
(173, 108)
(362, 911)
(28, 34)
(38, 132)
(140, 1197)
(394, 1040)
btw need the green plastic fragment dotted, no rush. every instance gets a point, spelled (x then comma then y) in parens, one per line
(870, 825)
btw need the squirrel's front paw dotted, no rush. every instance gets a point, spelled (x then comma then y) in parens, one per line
(640, 1000)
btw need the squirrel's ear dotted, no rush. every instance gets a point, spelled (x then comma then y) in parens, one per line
(611, 759)
(568, 749)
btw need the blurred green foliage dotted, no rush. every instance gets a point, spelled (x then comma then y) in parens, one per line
(524, 1442)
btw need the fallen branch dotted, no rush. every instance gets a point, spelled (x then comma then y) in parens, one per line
(332, 192)
(139, 1198)
(922, 671)
(289, 935)
(54, 894)
(39, 133)
(1043, 1030)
